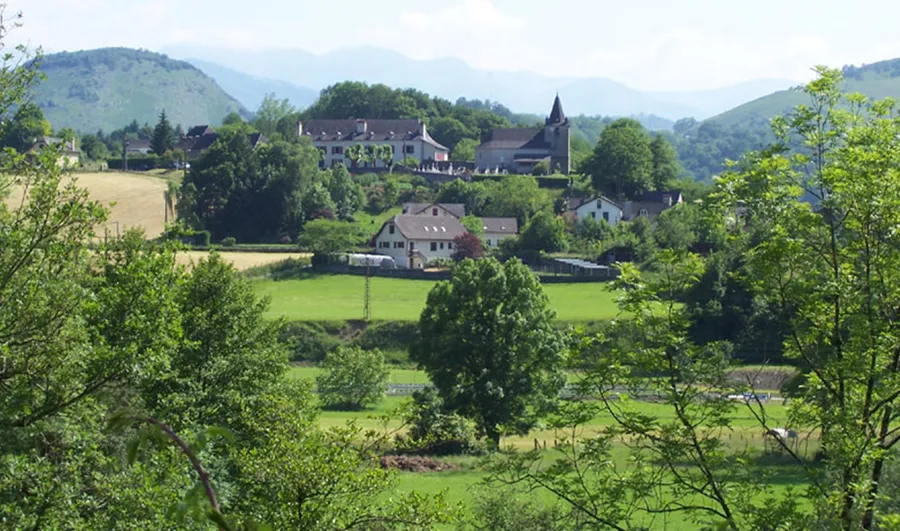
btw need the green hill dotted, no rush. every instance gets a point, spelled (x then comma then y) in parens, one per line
(877, 81)
(703, 146)
(107, 88)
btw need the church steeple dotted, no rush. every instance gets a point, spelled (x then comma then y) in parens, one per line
(557, 116)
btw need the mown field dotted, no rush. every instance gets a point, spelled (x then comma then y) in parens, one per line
(240, 260)
(134, 200)
(316, 297)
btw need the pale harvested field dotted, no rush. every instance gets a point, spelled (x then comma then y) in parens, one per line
(138, 200)
(241, 261)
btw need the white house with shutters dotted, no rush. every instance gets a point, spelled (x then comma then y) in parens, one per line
(414, 241)
(407, 138)
(597, 208)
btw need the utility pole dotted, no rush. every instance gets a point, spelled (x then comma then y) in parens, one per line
(367, 310)
(125, 154)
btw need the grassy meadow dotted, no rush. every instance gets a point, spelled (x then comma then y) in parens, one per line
(316, 297)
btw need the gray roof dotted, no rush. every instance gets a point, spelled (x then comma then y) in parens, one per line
(516, 138)
(500, 225)
(457, 209)
(577, 202)
(427, 227)
(557, 116)
(199, 130)
(376, 131)
(657, 196)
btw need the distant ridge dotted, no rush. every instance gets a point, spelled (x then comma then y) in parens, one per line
(107, 88)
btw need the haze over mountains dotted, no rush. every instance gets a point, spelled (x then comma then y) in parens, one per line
(451, 78)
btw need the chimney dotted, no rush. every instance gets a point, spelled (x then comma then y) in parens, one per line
(299, 128)
(422, 129)
(72, 145)
(361, 126)
(667, 199)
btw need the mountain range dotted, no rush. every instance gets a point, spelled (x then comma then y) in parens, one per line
(452, 78)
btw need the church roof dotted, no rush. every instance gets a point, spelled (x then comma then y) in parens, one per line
(516, 138)
(557, 116)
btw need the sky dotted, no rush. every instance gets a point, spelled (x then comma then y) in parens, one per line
(649, 45)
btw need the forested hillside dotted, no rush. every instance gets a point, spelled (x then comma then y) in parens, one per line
(108, 88)
(704, 146)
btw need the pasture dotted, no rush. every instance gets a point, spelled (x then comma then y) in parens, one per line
(320, 297)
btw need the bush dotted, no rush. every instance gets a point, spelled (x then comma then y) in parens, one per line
(229, 242)
(198, 238)
(432, 430)
(307, 341)
(353, 378)
(390, 335)
(142, 162)
(366, 179)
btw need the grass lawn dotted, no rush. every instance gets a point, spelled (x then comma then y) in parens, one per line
(370, 224)
(316, 297)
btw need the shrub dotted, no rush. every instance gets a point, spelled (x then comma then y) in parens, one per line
(307, 341)
(353, 378)
(229, 242)
(366, 179)
(390, 335)
(432, 430)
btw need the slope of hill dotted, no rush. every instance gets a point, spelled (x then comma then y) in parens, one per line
(109, 87)
(450, 78)
(703, 146)
(250, 90)
(877, 81)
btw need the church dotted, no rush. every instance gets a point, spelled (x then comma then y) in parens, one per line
(518, 149)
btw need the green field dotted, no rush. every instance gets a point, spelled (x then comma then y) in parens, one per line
(316, 297)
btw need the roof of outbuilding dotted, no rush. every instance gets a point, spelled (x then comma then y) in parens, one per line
(516, 138)
(199, 130)
(657, 196)
(427, 227)
(500, 225)
(457, 209)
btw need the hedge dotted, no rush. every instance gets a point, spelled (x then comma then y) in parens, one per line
(141, 161)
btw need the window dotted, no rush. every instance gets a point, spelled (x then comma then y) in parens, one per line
(643, 212)
(434, 246)
(593, 215)
(410, 150)
(412, 245)
(391, 229)
(606, 216)
(489, 242)
(434, 212)
(384, 245)
(449, 246)
(337, 150)
(442, 246)
(399, 245)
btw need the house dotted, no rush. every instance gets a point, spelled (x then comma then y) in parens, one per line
(518, 149)
(68, 154)
(407, 138)
(200, 137)
(596, 208)
(652, 204)
(138, 147)
(414, 241)
(456, 210)
(498, 229)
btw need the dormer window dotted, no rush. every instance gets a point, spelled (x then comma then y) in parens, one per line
(643, 212)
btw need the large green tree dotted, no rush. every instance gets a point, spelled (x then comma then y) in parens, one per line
(516, 196)
(622, 163)
(163, 138)
(270, 112)
(489, 345)
(27, 125)
(664, 161)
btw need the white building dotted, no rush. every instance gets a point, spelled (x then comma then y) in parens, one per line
(597, 208)
(413, 241)
(498, 229)
(407, 138)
